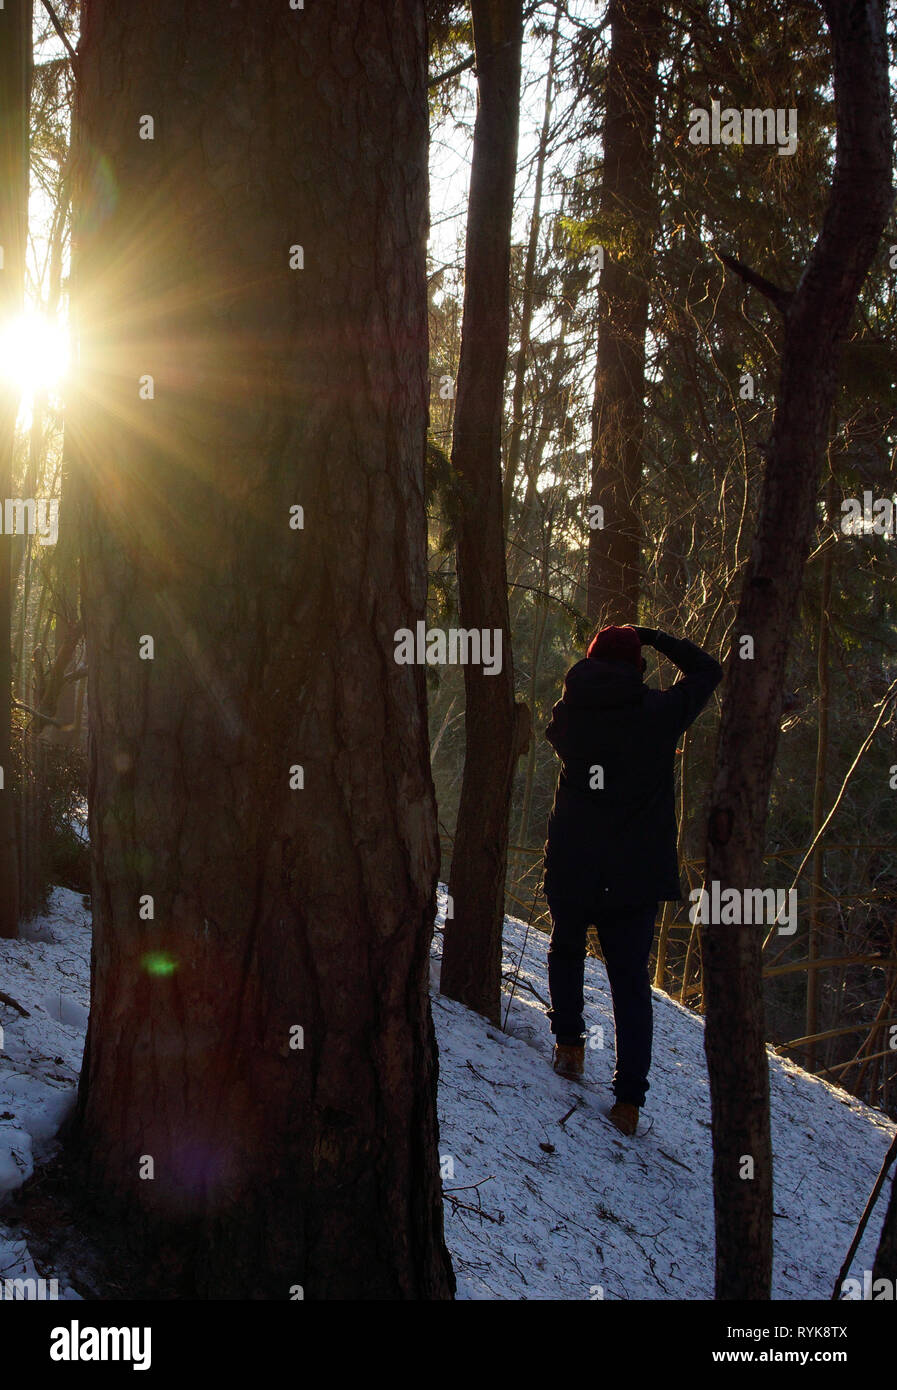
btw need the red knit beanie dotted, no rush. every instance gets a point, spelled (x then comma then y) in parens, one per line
(616, 644)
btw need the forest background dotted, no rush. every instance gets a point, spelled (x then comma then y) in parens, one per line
(630, 250)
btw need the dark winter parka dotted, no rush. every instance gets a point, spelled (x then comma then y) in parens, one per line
(612, 828)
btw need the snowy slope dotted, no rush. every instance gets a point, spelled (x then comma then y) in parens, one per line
(535, 1208)
(631, 1217)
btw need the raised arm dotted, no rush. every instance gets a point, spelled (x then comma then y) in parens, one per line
(702, 673)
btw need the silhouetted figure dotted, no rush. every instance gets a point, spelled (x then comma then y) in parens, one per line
(611, 850)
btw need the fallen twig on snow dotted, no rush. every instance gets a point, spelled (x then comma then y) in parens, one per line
(13, 1004)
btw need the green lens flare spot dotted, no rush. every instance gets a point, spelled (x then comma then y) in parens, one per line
(158, 963)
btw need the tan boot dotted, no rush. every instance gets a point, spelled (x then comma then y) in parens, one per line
(625, 1117)
(569, 1061)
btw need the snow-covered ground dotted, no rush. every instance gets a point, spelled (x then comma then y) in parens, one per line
(581, 1208)
(544, 1199)
(48, 974)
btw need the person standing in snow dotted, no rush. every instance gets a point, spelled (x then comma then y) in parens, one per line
(610, 856)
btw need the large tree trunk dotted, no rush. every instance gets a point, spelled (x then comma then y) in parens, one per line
(817, 317)
(264, 1043)
(627, 211)
(471, 966)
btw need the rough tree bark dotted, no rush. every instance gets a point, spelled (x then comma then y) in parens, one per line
(627, 207)
(264, 777)
(471, 965)
(15, 90)
(816, 320)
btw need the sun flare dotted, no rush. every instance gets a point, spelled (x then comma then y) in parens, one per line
(34, 353)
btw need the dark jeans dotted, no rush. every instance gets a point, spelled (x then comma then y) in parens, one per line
(626, 935)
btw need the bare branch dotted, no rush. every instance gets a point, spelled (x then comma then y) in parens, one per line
(456, 71)
(54, 20)
(13, 1004)
(779, 297)
(46, 718)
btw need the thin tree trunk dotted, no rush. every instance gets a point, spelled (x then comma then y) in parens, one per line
(627, 207)
(668, 912)
(257, 1106)
(818, 863)
(75, 738)
(22, 562)
(670, 909)
(540, 618)
(539, 621)
(529, 278)
(817, 316)
(884, 1266)
(551, 415)
(471, 965)
(875, 1034)
(15, 89)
